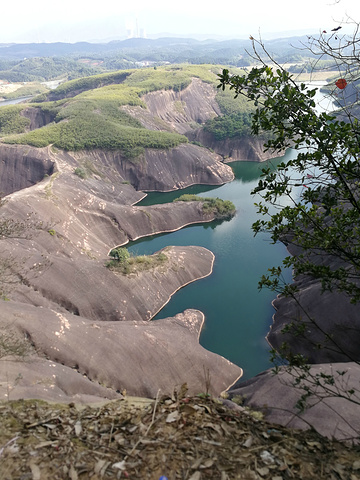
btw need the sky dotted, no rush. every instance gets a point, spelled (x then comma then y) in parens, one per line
(104, 20)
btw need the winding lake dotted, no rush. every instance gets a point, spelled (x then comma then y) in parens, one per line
(238, 315)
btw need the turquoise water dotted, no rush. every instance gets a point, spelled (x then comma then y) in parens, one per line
(237, 314)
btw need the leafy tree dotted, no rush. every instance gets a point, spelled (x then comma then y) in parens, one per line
(311, 203)
(121, 254)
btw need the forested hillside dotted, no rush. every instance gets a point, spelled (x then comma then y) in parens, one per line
(93, 112)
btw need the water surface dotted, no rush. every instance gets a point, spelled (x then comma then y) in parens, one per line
(237, 314)
(3, 103)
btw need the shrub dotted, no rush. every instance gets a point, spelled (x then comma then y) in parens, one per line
(189, 197)
(121, 254)
(80, 172)
(124, 263)
(221, 208)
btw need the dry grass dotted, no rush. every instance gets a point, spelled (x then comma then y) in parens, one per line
(196, 438)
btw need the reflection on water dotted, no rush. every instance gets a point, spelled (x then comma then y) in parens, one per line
(238, 315)
(156, 197)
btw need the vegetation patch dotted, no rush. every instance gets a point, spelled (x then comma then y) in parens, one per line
(87, 169)
(179, 107)
(174, 77)
(229, 106)
(11, 121)
(125, 263)
(137, 82)
(39, 69)
(106, 101)
(229, 126)
(220, 208)
(89, 83)
(95, 131)
(90, 120)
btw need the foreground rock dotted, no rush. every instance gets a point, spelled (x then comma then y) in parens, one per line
(332, 324)
(324, 328)
(137, 357)
(328, 410)
(321, 325)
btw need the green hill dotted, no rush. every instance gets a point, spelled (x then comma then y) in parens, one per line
(87, 112)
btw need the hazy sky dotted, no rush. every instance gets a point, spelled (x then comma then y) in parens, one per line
(89, 20)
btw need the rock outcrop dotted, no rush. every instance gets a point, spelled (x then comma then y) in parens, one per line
(71, 226)
(178, 111)
(22, 166)
(329, 323)
(327, 412)
(160, 170)
(321, 325)
(244, 149)
(37, 117)
(164, 170)
(103, 357)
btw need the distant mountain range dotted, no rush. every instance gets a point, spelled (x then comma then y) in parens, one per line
(135, 45)
(29, 62)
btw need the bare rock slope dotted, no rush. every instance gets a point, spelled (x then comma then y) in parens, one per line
(84, 359)
(327, 322)
(87, 326)
(186, 112)
(327, 412)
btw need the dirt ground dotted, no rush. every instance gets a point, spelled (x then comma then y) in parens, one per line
(195, 438)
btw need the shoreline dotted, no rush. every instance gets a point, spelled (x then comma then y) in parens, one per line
(188, 283)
